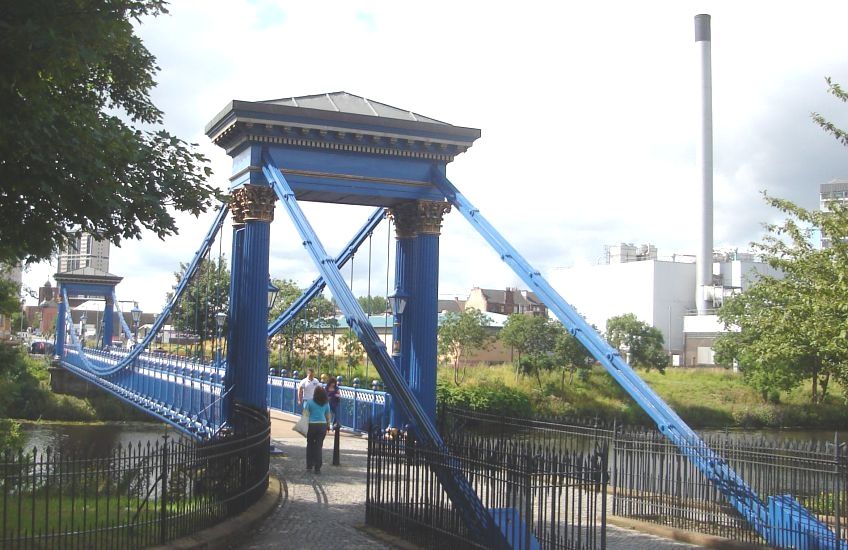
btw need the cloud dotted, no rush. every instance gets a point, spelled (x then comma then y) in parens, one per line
(587, 112)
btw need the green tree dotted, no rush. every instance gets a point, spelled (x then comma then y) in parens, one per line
(790, 329)
(81, 144)
(10, 301)
(644, 343)
(302, 337)
(570, 355)
(462, 333)
(352, 350)
(534, 339)
(294, 330)
(207, 293)
(375, 305)
(515, 334)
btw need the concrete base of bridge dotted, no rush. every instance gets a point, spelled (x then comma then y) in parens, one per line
(64, 382)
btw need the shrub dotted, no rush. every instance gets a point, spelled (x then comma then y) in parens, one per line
(485, 397)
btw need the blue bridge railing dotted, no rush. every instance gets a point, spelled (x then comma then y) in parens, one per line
(359, 409)
(182, 391)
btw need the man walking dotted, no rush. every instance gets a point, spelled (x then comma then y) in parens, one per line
(306, 388)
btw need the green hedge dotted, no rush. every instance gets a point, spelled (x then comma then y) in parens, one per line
(485, 397)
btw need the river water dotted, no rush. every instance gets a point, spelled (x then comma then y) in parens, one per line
(96, 439)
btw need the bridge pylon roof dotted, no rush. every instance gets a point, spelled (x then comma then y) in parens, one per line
(339, 147)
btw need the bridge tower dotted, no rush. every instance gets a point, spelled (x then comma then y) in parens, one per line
(86, 281)
(344, 149)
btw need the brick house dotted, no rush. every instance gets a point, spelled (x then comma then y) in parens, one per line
(506, 302)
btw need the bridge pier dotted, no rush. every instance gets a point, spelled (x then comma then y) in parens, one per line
(59, 349)
(247, 355)
(403, 216)
(425, 319)
(108, 315)
(417, 228)
(64, 382)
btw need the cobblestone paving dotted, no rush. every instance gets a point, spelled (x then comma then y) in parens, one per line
(324, 511)
(317, 510)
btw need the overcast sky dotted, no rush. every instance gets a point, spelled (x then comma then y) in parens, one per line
(587, 112)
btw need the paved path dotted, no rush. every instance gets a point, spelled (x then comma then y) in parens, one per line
(324, 511)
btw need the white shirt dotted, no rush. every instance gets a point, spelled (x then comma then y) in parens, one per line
(308, 386)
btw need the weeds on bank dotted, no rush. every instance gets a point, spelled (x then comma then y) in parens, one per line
(703, 397)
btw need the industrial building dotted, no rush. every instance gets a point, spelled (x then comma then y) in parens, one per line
(660, 292)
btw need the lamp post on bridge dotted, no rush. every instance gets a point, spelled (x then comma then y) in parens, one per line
(158, 338)
(272, 294)
(398, 302)
(136, 318)
(220, 319)
(273, 290)
(83, 322)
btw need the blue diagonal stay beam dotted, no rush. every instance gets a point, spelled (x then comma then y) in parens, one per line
(318, 284)
(480, 523)
(711, 464)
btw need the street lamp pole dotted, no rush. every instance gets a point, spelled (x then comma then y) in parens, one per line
(220, 319)
(136, 317)
(158, 337)
(83, 322)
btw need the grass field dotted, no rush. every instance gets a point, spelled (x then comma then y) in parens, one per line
(703, 397)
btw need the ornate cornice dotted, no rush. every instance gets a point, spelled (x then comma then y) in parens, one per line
(253, 203)
(405, 217)
(430, 215)
(339, 140)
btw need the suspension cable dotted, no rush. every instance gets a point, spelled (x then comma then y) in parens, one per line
(368, 359)
(385, 304)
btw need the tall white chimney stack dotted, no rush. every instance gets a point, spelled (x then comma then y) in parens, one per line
(704, 162)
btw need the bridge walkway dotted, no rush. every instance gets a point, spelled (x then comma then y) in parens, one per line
(328, 510)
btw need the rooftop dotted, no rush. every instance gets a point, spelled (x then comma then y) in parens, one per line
(344, 102)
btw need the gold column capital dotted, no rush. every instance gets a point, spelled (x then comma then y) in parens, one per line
(237, 208)
(253, 203)
(430, 216)
(405, 217)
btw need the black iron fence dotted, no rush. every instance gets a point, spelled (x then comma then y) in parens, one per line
(537, 492)
(651, 480)
(138, 496)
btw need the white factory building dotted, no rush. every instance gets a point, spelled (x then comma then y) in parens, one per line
(660, 292)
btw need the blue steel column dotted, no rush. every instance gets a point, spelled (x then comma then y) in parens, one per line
(108, 321)
(60, 325)
(404, 216)
(248, 355)
(425, 314)
(233, 326)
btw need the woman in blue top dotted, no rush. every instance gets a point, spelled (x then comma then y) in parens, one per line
(319, 424)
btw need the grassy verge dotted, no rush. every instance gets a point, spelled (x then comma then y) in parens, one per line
(703, 397)
(25, 394)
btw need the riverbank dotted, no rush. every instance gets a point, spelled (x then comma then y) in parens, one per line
(25, 395)
(703, 397)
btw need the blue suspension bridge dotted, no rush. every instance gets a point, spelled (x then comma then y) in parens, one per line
(344, 149)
